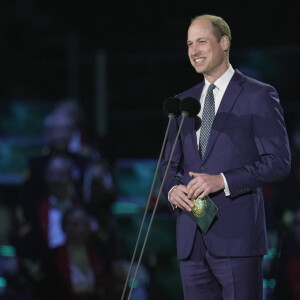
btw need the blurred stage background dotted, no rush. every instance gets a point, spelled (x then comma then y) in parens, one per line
(119, 61)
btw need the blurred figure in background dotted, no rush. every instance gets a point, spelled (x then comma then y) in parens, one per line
(70, 171)
(49, 224)
(12, 280)
(293, 264)
(74, 270)
(288, 269)
(61, 196)
(39, 222)
(58, 132)
(99, 195)
(79, 141)
(91, 171)
(98, 180)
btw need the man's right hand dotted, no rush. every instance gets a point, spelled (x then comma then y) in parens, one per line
(178, 198)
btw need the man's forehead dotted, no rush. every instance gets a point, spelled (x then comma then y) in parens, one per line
(199, 29)
(201, 24)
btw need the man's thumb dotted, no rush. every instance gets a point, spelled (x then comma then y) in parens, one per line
(192, 174)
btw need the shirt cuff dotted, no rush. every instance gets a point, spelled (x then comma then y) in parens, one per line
(172, 205)
(226, 189)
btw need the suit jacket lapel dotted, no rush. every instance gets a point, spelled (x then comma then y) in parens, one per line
(233, 90)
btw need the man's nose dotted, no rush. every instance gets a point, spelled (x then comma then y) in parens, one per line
(194, 49)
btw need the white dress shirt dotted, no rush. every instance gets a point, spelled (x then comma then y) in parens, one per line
(221, 85)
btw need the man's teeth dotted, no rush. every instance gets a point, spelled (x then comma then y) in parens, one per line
(199, 60)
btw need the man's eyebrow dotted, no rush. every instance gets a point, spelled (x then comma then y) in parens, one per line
(197, 40)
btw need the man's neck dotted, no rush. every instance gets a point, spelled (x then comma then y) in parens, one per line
(215, 75)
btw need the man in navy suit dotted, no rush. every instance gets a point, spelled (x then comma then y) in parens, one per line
(247, 147)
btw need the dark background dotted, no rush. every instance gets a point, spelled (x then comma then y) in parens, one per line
(49, 51)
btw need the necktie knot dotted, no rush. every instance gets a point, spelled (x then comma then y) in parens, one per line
(210, 88)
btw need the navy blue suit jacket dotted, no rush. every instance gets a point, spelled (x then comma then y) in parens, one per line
(249, 145)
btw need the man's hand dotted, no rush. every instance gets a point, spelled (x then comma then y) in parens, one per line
(178, 197)
(204, 184)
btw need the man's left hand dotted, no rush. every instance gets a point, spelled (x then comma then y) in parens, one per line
(204, 184)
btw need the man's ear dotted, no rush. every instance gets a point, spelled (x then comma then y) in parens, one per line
(224, 43)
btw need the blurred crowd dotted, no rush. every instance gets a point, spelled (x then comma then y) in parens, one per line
(57, 241)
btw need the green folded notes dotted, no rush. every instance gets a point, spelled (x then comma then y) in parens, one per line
(203, 212)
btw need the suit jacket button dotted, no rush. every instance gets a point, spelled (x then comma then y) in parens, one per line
(202, 168)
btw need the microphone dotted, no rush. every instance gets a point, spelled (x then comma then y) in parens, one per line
(189, 107)
(171, 108)
(198, 122)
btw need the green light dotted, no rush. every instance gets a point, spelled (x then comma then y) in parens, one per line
(272, 283)
(136, 283)
(7, 250)
(125, 208)
(2, 282)
(272, 254)
(269, 283)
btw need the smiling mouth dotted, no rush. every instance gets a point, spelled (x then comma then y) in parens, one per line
(199, 60)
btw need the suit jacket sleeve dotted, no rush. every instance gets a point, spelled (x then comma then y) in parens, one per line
(272, 144)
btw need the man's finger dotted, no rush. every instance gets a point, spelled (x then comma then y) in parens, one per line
(192, 174)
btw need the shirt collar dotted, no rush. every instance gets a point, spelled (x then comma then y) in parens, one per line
(222, 82)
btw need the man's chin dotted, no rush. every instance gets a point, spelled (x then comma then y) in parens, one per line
(199, 70)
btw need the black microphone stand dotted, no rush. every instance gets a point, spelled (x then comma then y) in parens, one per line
(185, 114)
(173, 112)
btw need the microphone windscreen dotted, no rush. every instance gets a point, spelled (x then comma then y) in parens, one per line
(198, 122)
(172, 106)
(191, 106)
